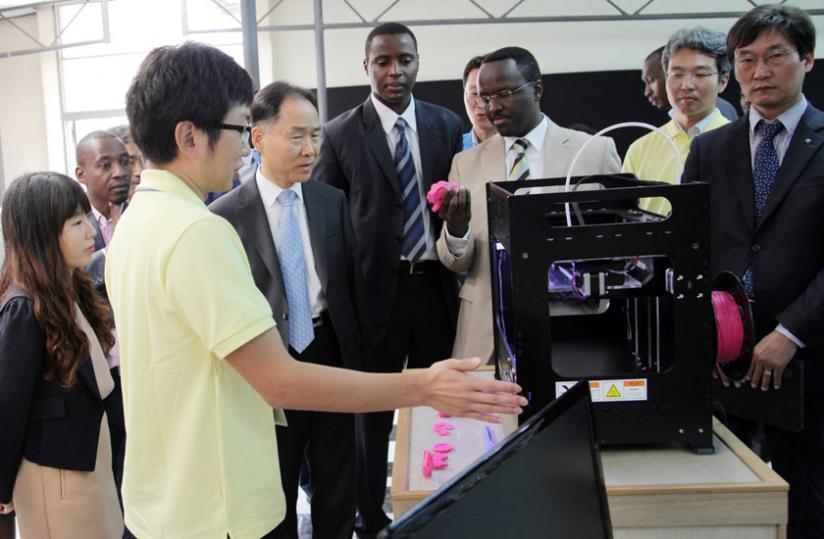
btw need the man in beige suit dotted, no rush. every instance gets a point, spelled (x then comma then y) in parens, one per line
(528, 145)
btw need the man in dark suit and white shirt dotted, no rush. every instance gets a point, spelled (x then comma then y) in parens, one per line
(287, 225)
(105, 168)
(766, 177)
(385, 154)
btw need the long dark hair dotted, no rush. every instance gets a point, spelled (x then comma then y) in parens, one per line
(35, 208)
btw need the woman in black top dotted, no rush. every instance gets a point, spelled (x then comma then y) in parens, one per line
(55, 450)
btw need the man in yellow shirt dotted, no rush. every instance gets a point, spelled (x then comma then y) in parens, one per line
(697, 69)
(201, 361)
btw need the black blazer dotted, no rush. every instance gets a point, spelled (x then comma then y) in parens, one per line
(786, 247)
(355, 158)
(40, 420)
(332, 247)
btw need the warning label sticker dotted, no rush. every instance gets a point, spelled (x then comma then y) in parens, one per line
(610, 390)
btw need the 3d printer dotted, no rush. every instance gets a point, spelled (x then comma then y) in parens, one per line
(587, 285)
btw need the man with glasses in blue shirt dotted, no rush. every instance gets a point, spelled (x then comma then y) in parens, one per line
(527, 145)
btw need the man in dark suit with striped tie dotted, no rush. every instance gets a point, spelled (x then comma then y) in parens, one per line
(385, 154)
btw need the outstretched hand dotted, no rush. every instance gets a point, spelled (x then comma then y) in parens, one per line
(449, 388)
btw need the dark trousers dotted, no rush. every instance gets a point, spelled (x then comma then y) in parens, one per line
(798, 457)
(117, 428)
(327, 440)
(419, 333)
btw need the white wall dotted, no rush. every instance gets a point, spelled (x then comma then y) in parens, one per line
(22, 106)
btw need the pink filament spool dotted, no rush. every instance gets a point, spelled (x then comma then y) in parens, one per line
(729, 325)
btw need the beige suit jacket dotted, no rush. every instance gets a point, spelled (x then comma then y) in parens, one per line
(474, 168)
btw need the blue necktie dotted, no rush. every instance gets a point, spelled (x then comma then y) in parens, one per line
(414, 240)
(293, 269)
(764, 170)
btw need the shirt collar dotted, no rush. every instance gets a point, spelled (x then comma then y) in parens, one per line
(154, 179)
(269, 190)
(99, 217)
(698, 128)
(789, 118)
(536, 137)
(388, 117)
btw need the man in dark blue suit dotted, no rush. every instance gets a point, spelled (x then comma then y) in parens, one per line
(766, 176)
(385, 154)
(287, 133)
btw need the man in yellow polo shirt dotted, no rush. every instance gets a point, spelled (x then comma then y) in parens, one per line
(202, 365)
(697, 69)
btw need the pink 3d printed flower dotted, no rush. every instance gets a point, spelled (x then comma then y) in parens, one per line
(437, 191)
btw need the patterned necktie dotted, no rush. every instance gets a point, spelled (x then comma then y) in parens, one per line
(520, 166)
(414, 241)
(765, 164)
(293, 269)
(765, 167)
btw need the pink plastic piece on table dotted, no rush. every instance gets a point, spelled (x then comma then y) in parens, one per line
(437, 191)
(427, 465)
(444, 425)
(442, 447)
(443, 414)
(439, 461)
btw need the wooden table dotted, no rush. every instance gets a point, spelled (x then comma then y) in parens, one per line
(652, 492)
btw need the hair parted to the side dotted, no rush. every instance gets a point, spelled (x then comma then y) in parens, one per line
(388, 29)
(526, 62)
(792, 22)
(473, 63)
(190, 82)
(699, 39)
(267, 102)
(35, 209)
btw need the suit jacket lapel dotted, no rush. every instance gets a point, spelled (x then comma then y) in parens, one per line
(739, 169)
(493, 158)
(557, 153)
(86, 373)
(316, 219)
(376, 141)
(804, 145)
(99, 242)
(428, 147)
(254, 223)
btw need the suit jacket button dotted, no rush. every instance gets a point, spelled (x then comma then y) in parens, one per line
(756, 248)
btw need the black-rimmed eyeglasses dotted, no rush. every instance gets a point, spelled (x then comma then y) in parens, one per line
(501, 97)
(244, 130)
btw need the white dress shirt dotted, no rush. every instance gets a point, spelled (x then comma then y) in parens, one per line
(269, 192)
(388, 117)
(534, 149)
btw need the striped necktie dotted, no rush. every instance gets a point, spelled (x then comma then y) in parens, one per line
(293, 270)
(414, 239)
(520, 166)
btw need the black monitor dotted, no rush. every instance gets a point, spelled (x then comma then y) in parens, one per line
(544, 480)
